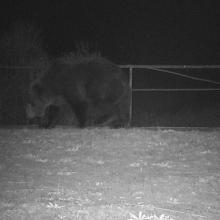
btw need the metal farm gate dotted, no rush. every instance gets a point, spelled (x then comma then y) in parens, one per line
(174, 95)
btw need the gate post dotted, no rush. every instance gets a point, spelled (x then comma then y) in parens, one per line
(130, 104)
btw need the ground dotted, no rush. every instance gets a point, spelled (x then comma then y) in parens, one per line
(137, 174)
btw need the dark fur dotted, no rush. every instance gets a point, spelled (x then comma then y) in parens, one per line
(95, 89)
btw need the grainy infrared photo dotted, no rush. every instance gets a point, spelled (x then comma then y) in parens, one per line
(109, 110)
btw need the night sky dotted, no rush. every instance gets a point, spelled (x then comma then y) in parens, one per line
(127, 32)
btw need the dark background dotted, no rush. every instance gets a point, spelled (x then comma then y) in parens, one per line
(134, 32)
(126, 31)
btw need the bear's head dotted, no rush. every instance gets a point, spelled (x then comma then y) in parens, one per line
(40, 98)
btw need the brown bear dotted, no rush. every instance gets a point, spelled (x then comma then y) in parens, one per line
(96, 90)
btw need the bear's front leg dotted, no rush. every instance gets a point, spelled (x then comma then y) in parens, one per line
(80, 108)
(50, 117)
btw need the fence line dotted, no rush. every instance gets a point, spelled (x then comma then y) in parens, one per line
(176, 90)
(170, 66)
(19, 67)
(133, 66)
(163, 68)
(187, 76)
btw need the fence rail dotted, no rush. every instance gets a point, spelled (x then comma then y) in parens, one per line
(176, 90)
(137, 67)
(171, 69)
(170, 66)
(18, 67)
(165, 69)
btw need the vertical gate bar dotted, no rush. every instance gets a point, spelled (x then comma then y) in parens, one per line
(131, 88)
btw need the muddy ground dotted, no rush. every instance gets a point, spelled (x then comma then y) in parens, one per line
(120, 174)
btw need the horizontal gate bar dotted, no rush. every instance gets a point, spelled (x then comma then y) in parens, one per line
(183, 89)
(171, 66)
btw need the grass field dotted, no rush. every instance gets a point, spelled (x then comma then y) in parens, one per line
(120, 174)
